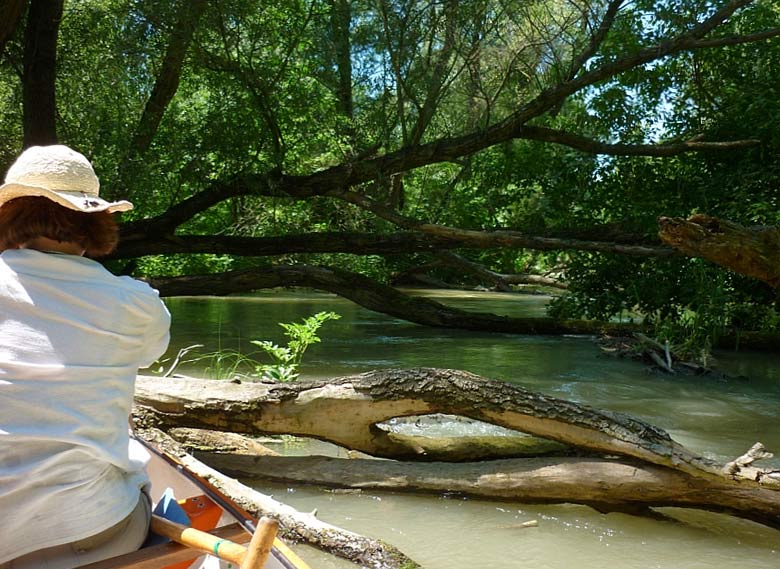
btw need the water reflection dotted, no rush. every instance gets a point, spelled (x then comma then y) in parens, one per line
(719, 418)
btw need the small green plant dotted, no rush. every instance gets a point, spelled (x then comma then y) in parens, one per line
(232, 364)
(286, 359)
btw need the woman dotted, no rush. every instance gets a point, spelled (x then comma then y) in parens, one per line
(72, 337)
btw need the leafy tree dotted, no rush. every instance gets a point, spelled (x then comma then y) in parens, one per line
(379, 135)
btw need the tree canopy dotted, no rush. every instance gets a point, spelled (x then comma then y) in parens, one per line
(469, 141)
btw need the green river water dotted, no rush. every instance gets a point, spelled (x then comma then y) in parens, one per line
(719, 418)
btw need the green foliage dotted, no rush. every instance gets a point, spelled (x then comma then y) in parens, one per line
(688, 302)
(260, 93)
(285, 360)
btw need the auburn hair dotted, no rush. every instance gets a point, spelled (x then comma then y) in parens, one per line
(26, 218)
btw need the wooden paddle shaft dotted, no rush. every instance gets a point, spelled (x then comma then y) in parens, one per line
(252, 558)
(200, 540)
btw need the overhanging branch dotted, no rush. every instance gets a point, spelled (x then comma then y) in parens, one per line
(592, 146)
(348, 175)
(429, 237)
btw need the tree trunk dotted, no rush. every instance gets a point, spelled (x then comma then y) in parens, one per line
(40, 70)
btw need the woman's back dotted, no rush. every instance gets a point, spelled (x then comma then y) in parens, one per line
(72, 337)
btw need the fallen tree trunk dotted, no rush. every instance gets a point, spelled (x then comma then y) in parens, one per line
(604, 484)
(294, 525)
(630, 466)
(348, 411)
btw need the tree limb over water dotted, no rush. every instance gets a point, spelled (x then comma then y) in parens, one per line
(351, 412)
(375, 296)
(136, 243)
(751, 251)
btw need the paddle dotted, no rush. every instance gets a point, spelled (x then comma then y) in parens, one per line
(252, 557)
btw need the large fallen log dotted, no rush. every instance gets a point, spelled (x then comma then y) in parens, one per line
(604, 484)
(353, 412)
(348, 411)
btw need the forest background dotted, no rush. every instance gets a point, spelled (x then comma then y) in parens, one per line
(352, 145)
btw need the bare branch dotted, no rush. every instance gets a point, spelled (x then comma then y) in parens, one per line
(595, 147)
(596, 39)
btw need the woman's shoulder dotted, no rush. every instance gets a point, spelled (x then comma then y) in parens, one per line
(137, 285)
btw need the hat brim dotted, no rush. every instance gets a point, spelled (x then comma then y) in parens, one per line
(77, 201)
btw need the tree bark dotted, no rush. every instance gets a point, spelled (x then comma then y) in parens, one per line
(751, 251)
(651, 469)
(319, 408)
(40, 71)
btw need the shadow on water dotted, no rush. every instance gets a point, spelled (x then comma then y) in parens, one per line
(719, 418)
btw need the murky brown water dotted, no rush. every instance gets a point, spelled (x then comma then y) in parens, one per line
(719, 418)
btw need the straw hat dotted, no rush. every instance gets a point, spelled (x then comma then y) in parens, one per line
(60, 174)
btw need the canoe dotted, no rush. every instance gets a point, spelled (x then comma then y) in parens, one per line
(181, 496)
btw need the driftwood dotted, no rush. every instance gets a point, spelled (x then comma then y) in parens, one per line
(660, 357)
(623, 463)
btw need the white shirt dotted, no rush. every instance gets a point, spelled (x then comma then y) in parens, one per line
(72, 337)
